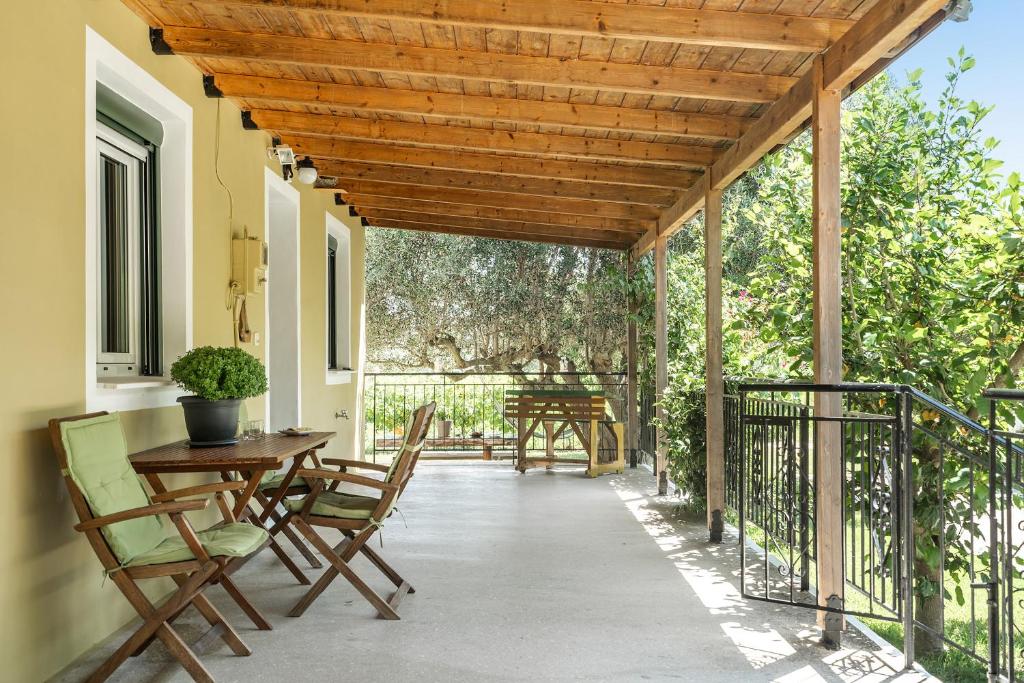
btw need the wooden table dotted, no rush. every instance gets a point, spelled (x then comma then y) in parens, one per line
(558, 410)
(249, 460)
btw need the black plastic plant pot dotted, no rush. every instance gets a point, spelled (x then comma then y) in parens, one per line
(210, 423)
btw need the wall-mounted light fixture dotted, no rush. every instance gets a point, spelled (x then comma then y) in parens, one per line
(306, 171)
(285, 155)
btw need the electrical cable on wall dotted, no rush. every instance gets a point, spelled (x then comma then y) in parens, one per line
(233, 295)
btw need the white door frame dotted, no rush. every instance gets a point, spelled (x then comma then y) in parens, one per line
(282, 195)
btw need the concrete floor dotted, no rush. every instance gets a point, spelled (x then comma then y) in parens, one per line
(544, 576)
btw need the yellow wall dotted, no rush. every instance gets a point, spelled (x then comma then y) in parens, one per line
(53, 602)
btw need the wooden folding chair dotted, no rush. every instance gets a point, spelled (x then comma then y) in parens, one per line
(125, 528)
(357, 517)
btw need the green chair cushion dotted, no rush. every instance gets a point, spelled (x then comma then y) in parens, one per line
(272, 480)
(405, 442)
(226, 540)
(335, 504)
(98, 464)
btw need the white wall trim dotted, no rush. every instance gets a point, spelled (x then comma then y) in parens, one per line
(274, 184)
(339, 231)
(106, 64)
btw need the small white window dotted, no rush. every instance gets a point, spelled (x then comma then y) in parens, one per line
(339, 298)
(128, 324)
(138, 232)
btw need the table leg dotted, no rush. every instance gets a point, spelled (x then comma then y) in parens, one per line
(255, 476)
(249, 515)
(278, 495)
(155, 483)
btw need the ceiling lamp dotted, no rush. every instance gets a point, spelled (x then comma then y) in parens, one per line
(306, 171)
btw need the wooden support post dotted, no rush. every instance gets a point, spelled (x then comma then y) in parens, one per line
(521, 444)
(714, 382)
(632, 405)
(828, 356)
(549, 441)
(661, 356)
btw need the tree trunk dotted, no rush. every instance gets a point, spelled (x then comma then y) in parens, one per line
(928, 610)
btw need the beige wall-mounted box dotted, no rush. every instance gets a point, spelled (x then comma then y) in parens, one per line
(249, 263)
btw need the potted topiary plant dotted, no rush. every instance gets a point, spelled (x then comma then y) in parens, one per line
(220, 378)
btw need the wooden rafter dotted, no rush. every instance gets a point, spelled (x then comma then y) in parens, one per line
(885, 26)
(477, 139)
(580, 18)
(326, 148)
(532, 215)
(579, 207)
(503, 235)
(345, 171)
(472, 65)
(481, 108)
(372, 214)
(564, 113)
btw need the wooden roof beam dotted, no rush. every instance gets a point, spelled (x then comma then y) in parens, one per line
(482, 108)
(506, 226)
(883, 28)
(577, 207)
(478, 139)
(345, 171)
(586, 171)
(473, 65)
(573, 17)
(501, 235)
(435, 208)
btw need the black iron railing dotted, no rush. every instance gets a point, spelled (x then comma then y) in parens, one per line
(470, 416)
(932, 510)
(778, 428)
(647, 438)
(1006, 455)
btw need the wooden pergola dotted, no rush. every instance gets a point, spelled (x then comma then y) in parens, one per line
(564, 121)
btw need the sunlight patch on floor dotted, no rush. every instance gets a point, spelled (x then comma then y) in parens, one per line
(761, 648)
(764, 647)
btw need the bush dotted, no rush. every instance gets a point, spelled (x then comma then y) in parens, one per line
(687, 443)
(216, 373)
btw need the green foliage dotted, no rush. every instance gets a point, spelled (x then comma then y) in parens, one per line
(933, 294)
(933, 280)
(216, 373)
(932, 275)
(447, 302)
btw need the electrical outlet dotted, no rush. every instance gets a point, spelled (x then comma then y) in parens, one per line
(256, 338)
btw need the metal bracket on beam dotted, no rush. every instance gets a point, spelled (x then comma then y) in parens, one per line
(247, 122)
(959, 10)
(275, 141)
(338, 201)
(352, 211)
(364, 222)
(210, 86)
(157, 42)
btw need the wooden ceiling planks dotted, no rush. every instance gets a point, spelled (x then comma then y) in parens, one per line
(512, 114)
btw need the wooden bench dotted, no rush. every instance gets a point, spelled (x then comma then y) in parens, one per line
(558, 410)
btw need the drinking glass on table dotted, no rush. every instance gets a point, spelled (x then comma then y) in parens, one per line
(253, 430)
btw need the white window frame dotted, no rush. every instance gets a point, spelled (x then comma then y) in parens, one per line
(343, 295)
(107, 65)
